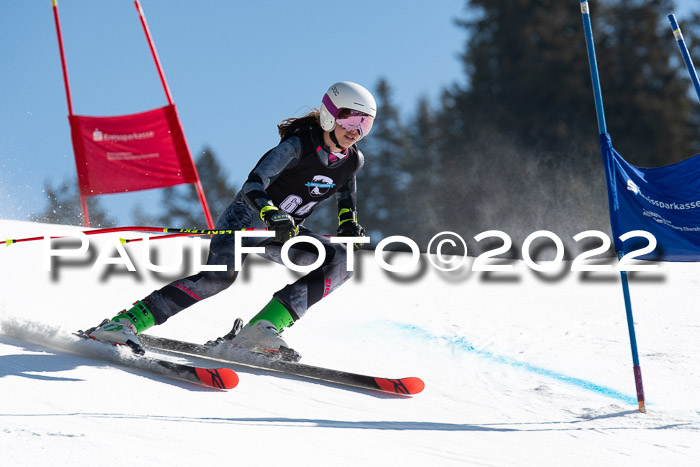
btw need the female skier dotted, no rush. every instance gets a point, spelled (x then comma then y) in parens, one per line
(315, 159)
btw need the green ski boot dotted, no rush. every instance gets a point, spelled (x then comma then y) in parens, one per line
(123, 328)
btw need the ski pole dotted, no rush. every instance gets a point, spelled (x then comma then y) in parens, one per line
(11, 241)
(124, 241)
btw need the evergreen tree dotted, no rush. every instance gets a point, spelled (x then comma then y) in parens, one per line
(214, 179)
(518, 149)
(63, 206)
(422, 195)
(180, 205)
(648, 109)
(527, 70)
(384, 181)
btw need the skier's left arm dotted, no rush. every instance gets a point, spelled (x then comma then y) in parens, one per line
(347, 206)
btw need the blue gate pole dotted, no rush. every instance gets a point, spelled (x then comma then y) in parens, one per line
(684, 52)
(600, 112)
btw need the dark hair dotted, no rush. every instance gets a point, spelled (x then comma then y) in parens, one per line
(288, 126)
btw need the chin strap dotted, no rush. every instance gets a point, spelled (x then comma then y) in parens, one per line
(335, 141)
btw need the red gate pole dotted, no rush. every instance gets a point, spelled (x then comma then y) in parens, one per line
(198, 183)
(83, 201)
(63, 57)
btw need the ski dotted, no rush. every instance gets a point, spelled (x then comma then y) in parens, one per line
(404, 386)
(219, 378)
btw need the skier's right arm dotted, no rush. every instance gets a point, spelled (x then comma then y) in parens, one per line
(270, 166)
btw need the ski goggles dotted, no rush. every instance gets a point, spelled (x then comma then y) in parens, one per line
(352, 120)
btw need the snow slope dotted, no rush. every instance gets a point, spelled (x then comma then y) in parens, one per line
(520, 368)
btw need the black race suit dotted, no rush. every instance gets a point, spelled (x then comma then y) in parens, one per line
(294, 176)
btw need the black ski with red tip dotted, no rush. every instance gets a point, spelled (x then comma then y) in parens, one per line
(218, 378)
(406, 386)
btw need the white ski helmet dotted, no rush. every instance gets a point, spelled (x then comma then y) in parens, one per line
(345, 95)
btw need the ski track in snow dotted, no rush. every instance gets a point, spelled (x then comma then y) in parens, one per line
(460, 343)
(522, 372)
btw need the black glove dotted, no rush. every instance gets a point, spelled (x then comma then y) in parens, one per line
(279, 222)
(348, 226)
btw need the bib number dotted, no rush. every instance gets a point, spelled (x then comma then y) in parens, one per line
(292, 205)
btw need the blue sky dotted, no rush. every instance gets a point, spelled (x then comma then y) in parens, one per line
(235, 69)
